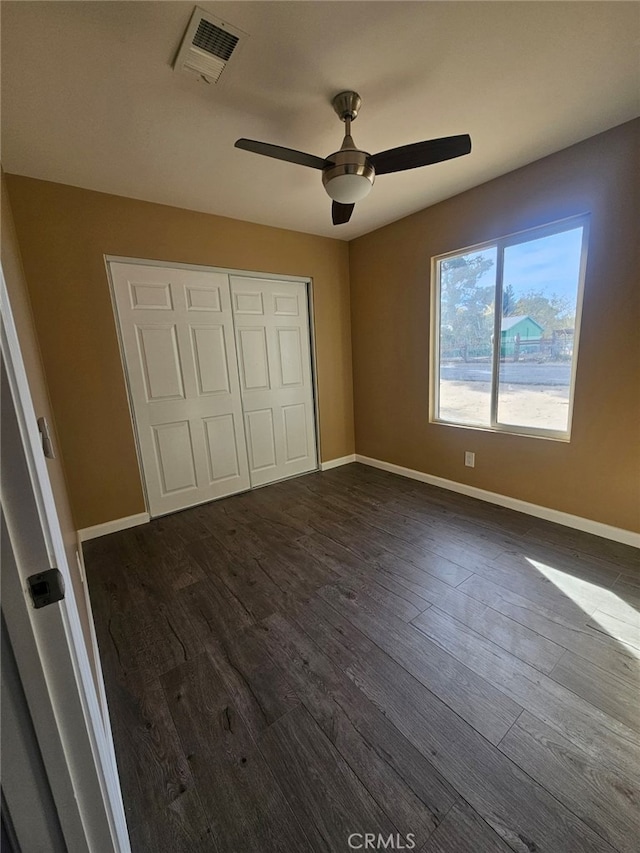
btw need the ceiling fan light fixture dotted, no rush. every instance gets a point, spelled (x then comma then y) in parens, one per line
(350, 176)
(348, 189)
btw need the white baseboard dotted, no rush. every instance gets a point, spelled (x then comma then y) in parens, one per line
(334, 463)
(113, 526)
(617, 534)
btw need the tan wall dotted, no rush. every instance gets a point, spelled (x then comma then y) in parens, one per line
(64, 233)
(597, 474)
(21, 309)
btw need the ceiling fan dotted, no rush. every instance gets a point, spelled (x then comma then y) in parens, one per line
(348, 174)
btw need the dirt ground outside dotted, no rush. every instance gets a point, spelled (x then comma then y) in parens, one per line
(518, 405)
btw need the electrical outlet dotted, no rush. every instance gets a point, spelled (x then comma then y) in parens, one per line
(469, 459)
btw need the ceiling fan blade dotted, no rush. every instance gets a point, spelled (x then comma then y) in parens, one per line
(421, 154)
(280, 153)
(341, 213)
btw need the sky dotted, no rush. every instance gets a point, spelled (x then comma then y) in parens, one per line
(548, 264)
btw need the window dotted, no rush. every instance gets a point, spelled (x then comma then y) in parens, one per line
(506, 318)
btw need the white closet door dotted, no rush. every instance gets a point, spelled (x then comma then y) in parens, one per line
(272, 334)
(177, 332)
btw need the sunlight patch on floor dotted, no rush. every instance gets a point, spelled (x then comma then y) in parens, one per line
(597, 602)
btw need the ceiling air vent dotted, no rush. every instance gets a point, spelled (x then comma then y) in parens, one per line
(207, 46)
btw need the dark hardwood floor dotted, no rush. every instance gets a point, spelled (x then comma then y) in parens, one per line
(352, 652)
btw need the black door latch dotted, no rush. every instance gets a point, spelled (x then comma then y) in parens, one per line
(46, 587)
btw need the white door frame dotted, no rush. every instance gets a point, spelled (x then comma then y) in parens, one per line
(49, 644)
(306, 280)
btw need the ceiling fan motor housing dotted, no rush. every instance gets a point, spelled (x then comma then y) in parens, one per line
(350, 176)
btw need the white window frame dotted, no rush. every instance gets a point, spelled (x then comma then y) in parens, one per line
(500, 244)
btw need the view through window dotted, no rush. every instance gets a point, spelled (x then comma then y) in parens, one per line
(507, 331)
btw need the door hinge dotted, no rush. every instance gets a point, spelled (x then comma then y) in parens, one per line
(47, 444)
(46, 587)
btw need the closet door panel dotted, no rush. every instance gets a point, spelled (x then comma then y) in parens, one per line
(178, 341)
(273, 338)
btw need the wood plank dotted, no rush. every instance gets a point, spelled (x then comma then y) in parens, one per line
(418, 580)
(581, 586)
(438, 566)
(615, 744)
(325, 794)
(401, 780)
(441, 556)
(238, 539)
(617, 553)
(510, 588)
(615, 696)
(520, 641)
(331, 631)
(483, 531)
(464, 831)
(259, 690)
(606, 801)
(394, 573)
(571, 632)
(355, 573)
(214, 611)
(273, 508)
(290, 565)
(529, 552)
(152, 765)
(388, 602)
(372, 531)
(630, 576)
(627, 587)
(181, 827)
(173, 566)
(474, 698)
(418, 500)
(111, 590)
(540, 589)
(245, 579)
(619, 629)
(240, 795)
(150, 639)
(184, 526)
(347, 565)
(515, 806)
(432, 499)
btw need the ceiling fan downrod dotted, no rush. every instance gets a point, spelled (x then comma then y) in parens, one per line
(346, 106)
(350, 175)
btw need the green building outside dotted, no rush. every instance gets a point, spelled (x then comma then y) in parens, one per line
(520, 334)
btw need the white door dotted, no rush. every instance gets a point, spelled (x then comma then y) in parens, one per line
(61, 733)
(272, 333)
(176, 328)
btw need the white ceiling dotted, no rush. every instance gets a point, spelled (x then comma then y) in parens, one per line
(89, 97)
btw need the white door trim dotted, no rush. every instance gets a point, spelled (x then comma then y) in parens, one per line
(272, 276)
(51, 642)
(314, 373)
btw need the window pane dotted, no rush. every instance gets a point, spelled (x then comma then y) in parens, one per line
(467, 299)
(540, 292)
